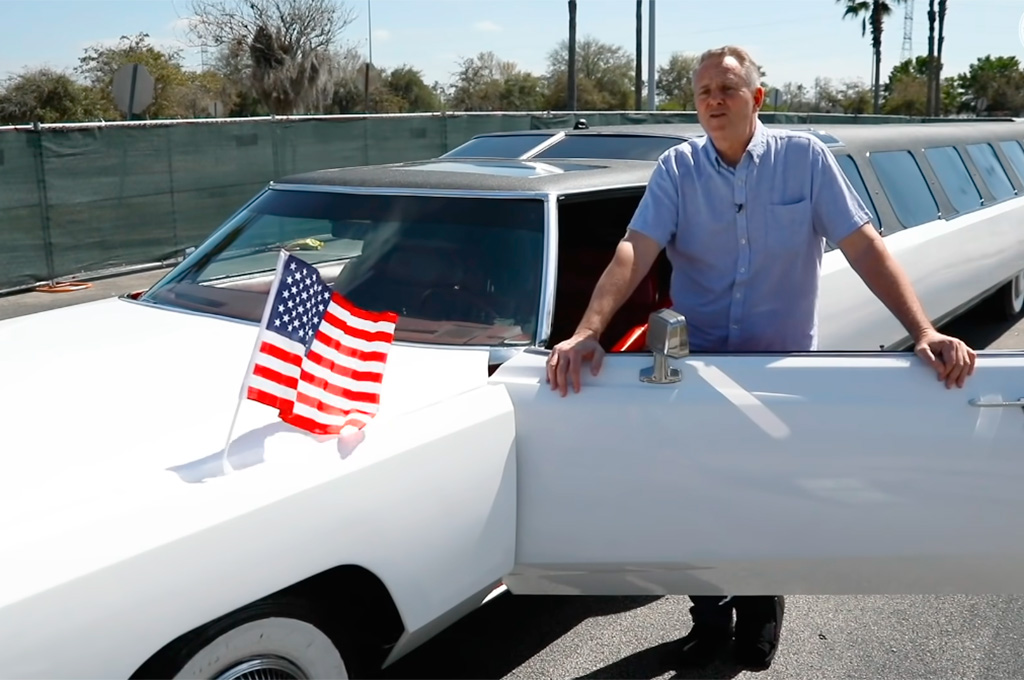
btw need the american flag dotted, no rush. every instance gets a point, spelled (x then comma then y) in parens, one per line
(318, 359)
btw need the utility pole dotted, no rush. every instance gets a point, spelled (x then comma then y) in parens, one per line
(369, 60)
(652, 75)
(571, 85)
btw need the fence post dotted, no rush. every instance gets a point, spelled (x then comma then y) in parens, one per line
(44, 201)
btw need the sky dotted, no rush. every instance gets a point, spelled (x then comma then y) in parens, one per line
(793, 40)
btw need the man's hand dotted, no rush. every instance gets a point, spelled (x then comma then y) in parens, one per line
(568, 357)
(951, 358)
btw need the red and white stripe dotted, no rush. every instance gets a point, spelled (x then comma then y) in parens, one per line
(338, 384)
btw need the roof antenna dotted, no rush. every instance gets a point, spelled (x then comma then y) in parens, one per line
(581, 124)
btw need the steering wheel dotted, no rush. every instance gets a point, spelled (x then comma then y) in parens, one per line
(457, 305)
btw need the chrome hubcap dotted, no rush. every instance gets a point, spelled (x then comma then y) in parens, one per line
(263, 668)
(1017, 291)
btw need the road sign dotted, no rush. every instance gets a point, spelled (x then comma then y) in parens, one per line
(133, 89)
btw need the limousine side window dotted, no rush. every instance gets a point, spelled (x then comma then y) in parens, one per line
(1015, 152)
(849, 167)
(905, 187)
(984, 156)
(955, 179)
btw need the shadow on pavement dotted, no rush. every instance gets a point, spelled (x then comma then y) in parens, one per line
(661, 659)
(496, 639)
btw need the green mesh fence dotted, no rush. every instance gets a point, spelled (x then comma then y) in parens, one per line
(82, 200)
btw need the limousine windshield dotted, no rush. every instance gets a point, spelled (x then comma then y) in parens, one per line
(457, 270)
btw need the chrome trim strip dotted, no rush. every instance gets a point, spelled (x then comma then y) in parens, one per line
(549, 274)
(475, 193)
(550, 141)
(406, 191)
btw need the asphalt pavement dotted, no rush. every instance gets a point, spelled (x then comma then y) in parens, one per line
(527, 638)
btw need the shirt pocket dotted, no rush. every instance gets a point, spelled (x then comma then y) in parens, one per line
(781, 228)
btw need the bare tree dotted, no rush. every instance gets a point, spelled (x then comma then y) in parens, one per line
(290, 45)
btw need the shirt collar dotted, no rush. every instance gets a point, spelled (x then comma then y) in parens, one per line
(755, 149)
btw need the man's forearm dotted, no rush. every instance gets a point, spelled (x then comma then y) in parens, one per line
(889, 282)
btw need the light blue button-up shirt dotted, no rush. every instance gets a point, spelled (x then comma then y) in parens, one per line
(746, 243)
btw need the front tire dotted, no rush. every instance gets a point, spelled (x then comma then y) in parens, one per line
(1012, 297)
(269, 640)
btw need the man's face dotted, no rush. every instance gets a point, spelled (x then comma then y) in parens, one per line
(726, 105)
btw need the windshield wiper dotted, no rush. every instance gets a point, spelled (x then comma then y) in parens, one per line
(290, 246)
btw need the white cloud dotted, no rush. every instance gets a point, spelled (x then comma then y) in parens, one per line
(181, 25)
(382, 34)
(487, 26)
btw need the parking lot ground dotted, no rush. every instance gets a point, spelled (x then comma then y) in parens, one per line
(30, 302)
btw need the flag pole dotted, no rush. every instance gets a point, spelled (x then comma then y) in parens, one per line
(279, 270)
(225, 464)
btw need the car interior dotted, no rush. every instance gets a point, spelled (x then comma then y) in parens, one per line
(589, 229)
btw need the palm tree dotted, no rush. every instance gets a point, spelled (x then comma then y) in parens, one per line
(937, 80)
(930, 103)
(873, 12)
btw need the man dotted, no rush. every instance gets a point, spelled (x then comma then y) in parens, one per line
(744, 215)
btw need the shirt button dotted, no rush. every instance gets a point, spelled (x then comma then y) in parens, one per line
(737, 296)
(743, 270)
(743, 240)
(735, 326)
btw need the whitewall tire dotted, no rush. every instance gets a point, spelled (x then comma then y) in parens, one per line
(273, 639)
(276, 647)
(1013, 296)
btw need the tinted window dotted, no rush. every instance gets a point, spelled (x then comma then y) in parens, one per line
(954, 177)
(499, 146)
(905, 187)
(984, 156)
(607, 146)
(1015, 152)
(457, 271)
(853, 174)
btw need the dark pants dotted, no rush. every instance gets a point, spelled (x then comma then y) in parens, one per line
(756, 616)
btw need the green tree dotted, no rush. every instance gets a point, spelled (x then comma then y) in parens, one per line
(675, 81)
(407, 85)
(487, 83)
(45, 95)
(99, 63)
(906, 90)
(993, 85)
(604, 75)
(291, 65)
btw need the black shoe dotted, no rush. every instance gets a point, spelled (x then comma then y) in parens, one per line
(703, 644)
(758, 640)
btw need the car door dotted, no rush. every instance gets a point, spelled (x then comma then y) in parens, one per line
(817, 473)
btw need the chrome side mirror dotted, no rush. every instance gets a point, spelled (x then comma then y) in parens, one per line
(667, 338)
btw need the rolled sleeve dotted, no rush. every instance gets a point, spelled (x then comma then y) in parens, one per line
(657, 215)
(837, 208)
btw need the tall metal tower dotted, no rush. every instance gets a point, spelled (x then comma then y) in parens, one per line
(908, 32)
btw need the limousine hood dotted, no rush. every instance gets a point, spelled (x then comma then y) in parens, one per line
(115, 419)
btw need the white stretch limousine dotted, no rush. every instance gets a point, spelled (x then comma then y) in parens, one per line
(129, 551)
(949, 197)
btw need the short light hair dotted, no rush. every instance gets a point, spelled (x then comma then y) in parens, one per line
(751, 70)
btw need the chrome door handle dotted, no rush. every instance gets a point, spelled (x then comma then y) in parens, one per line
(996, 404)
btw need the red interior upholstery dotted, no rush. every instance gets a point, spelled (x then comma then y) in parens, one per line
(578, 275)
